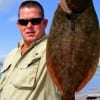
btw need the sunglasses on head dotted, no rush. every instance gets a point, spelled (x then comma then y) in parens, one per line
(34, 21)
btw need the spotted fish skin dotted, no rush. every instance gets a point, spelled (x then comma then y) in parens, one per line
(73, 48)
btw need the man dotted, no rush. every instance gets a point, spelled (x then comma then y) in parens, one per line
(24, 73)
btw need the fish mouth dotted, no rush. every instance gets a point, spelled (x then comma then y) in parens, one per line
(75, 6)
(64, 6)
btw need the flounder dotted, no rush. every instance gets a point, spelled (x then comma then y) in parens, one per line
(73, 46)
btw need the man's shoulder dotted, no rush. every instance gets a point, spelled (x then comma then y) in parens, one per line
(8, 59)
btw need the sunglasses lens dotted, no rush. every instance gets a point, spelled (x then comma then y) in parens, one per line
(23, 22)
(34, 21)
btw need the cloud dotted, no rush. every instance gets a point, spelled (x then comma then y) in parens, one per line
(13, 19)
(5, 4)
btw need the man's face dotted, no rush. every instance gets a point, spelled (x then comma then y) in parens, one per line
(34, 29)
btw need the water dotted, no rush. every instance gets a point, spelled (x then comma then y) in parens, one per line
(92, 89)
(94, 83)
(0, 68)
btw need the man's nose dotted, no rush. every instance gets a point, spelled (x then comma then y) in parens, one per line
(29, 24)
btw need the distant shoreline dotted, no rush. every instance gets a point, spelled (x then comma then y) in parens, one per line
(89, 94)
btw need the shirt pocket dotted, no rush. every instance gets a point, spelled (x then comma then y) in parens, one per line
(3, 75)
(25, 77)
(5, 68)
(4, 72)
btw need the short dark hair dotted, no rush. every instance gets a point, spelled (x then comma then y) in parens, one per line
(31, 3)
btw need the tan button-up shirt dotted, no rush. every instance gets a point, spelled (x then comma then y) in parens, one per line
(26, 77)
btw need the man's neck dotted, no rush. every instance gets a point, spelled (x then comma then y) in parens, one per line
(24, 48)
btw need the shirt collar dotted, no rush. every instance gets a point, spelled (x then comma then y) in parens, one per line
(34, 43)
